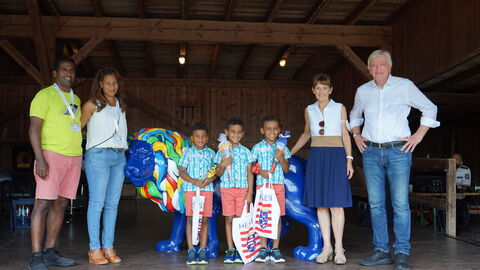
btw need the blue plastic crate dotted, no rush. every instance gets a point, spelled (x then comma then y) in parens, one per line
(21, 221)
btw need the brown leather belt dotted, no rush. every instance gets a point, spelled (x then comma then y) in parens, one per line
(384, 145)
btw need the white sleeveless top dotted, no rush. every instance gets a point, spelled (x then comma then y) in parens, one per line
(332, 116)
(105, 123)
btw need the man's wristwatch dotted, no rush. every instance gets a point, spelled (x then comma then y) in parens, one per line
(355, 134)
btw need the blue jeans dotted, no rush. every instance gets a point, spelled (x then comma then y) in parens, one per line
(395, 164)
(104, 169)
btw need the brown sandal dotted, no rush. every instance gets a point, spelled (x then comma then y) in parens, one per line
(111, 255)
(95, 256)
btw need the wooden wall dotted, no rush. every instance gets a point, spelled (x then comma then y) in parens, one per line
(434, 35)
(214, 101)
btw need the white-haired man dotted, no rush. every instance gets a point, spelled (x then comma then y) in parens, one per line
(387, 144)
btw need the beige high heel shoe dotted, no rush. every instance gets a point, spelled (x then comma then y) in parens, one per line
(339, 259)
(325, 256)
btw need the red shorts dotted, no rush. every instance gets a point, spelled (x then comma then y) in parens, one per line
(280, 194)
(207, 204)
(233, 200)
(62, 179)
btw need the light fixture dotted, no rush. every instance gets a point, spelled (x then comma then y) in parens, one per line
(181, 59)
(183, 53)
(282, 62)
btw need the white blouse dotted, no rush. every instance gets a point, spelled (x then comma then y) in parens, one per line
(331, 115)
(107, 128)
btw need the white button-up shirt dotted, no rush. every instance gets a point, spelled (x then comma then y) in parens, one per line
(386, 109)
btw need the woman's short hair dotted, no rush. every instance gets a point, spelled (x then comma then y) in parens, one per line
(322, 78)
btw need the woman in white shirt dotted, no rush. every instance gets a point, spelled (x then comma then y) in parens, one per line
(104, 115)
(329, 166)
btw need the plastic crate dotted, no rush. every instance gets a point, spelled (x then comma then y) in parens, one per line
(21, 216)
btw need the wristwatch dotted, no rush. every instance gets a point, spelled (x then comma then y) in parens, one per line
(355, 134)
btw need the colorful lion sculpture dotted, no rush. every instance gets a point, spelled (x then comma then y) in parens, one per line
(155, 153)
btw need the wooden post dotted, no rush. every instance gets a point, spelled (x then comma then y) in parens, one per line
(451, 199)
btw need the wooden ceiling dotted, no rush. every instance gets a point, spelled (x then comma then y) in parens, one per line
(223, 39)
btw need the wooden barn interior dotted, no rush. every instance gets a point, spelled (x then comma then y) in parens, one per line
(232, 51)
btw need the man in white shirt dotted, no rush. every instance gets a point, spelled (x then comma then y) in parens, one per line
(464, 176)
(386, 144)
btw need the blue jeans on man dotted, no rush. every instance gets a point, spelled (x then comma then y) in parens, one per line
(104, 169)
(380, 164)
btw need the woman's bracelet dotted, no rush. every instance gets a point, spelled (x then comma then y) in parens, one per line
(350, 157)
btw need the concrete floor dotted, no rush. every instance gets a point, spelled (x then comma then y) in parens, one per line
(141, 224)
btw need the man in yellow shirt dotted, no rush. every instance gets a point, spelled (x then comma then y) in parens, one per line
(56, 141)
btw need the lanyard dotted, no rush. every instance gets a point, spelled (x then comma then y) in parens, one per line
(69, 108)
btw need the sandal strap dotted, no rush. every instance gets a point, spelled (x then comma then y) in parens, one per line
(325, 256)
(340, 258)
(96, 256)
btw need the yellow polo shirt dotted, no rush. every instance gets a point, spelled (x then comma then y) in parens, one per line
(56, 133)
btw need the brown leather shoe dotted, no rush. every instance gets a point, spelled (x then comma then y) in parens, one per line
(111, 255)
(95, 256)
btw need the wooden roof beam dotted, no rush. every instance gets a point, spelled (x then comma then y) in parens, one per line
(319, 7)
(185, 9)
(310, 61)
(79, 56)
(410, 4)
(204, 31)
(317, 10)
(39, 38)
(355, 60)
(22, 61)
(97, 8)
(215, 57)
(74, 45)
(457, 78)
(359, 11)
(112, 48)
(272, 12)
(150, 46)
(141, 9)
(51, 7)
(229, 10)
(150, 58)
(284, 53)
(346, 51)
(218, 47)
(246, 59)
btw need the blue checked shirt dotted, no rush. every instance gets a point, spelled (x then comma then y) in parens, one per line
(264, 154)
(238, 176)
(198, 163)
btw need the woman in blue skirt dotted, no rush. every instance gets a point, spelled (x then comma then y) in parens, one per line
(329, 166)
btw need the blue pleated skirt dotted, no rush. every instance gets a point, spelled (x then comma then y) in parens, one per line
(326, 181)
